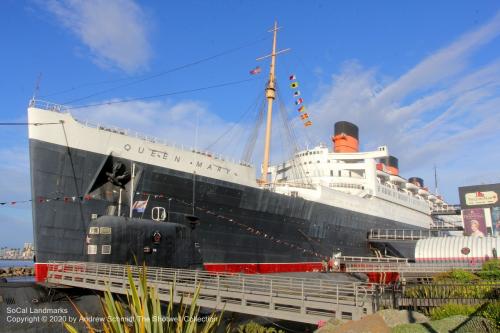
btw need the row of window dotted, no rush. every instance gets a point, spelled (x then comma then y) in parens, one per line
(314, 152)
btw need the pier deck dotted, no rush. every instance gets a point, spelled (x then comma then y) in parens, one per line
(287, 298)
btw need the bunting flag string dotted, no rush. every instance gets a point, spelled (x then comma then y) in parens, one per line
(45, 199)
(247, 228)
(299, 101)
(12, 203)
(243, 226)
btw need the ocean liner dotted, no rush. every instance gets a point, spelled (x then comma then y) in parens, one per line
(105, 194)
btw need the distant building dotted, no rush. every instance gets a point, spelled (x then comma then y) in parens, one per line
(26, 253)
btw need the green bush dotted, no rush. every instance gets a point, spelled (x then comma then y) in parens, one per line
(456, 276)
(490, 270)
(452, 309)
(486, 290)
(492, 312)
(253, 327)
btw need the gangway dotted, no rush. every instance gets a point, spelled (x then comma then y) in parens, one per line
(403, 234)
(448, 210)
(279, 297)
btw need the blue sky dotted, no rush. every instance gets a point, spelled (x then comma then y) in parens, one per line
(422, 77)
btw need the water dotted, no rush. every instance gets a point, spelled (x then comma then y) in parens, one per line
(16, 263)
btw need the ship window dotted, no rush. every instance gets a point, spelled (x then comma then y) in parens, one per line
(106, 249)
(340, 173)
(94, 231)
(310, 162)
(105, 230)
(317, 161)
(92, 249)
(331, 173)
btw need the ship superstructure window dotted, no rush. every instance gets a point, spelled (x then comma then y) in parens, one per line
(331, 173)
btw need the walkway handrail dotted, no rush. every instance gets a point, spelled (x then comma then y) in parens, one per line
(403, 234)
(360, 267)
(290, 298)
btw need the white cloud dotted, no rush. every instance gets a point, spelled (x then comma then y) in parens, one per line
(441, 65)
(187, 123)
(114, 31)
(443, 110)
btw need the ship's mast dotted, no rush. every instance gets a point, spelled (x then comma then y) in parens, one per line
(270, 95)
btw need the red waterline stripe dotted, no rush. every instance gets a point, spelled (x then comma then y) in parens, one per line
(263, 268)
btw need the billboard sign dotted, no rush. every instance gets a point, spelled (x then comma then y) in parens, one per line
(474, 222)
(480, 196)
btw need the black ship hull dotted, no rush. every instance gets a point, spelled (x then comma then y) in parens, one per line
(241, 228)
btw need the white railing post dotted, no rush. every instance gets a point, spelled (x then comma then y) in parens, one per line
(271, 305)
(218, 288)
(337, 285)
(355, 295)
(243, 297)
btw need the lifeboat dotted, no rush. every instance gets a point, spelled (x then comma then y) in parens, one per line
(411, 187)
(382, 174)
(396, 179)
(423, 192)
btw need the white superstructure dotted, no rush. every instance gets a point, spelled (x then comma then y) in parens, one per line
(356, 181)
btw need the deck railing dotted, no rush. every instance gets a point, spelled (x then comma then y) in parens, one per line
(49, 106)
(403, 234)
(290, 298)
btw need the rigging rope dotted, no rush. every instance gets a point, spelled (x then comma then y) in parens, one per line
(168, 71)
(27, 124)
(250, 145)
(162, 95)
(233, 126)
